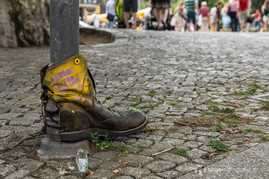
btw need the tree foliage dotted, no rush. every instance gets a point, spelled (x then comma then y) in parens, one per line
(256, 4)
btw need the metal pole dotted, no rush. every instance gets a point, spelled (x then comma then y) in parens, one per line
(64, 30)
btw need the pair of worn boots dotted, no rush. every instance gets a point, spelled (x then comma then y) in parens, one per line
(70, 110)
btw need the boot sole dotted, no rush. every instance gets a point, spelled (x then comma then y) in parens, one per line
(85, 134)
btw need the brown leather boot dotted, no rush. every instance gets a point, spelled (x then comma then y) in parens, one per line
(70, 110)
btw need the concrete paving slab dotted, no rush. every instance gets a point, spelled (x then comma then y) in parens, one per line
(252, 163)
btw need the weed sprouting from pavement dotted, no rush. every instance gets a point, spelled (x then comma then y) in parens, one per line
(20, 115)
(181, 152)
(179, 100)
(251, 91)
(264, 138)
(228, 110)
(151, 93)
(147, 106)
(214, 129)
(173, 103)
(219, 146)
(255, 84)
(138, 99)
(161, 99)
(101, 141)
(122, 149)
(252, 130)
(109, 97)
(214, 107)
(232, 122)
(265, 105)
(135, 104)
(7, 122)
(219, 125)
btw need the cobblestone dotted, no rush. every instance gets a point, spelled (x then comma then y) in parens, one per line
(170, 174)
(187, 167)
(190, 72)
(136, 160)
(173, 158)
(160, 166)
(135, 172)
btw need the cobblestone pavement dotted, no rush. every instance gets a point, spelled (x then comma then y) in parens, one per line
(196, 89)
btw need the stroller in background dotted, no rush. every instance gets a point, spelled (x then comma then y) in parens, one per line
(151, 22)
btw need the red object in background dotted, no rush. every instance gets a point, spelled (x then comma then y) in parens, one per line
(243, 5)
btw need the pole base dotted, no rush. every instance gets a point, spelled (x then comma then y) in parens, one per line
(50, 149)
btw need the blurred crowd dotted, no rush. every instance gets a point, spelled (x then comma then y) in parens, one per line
(234, 16)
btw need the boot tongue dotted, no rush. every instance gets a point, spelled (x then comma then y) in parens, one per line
(51, 106)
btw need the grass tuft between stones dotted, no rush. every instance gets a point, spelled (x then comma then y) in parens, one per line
(109, 97)
(181, 152)
(147, 106)
(151, 93)
(219, 146)
(264, 138)
(7, 122)
(20, 115)
(103, 142)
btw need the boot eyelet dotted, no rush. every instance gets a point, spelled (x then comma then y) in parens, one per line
(77, 61)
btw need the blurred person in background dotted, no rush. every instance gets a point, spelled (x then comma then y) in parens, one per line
(180, 15)
(244, 11)
(213, 18)
(147, 16)
(204, 11)
(191, 17)
(219, 6)
(130, 5)
(234, 8)
(226, 20)
(111, 14)
(257, 19)
(161, 11)
(265, 12)
(95, 19)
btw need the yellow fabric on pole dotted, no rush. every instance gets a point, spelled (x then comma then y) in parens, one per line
(69, 81)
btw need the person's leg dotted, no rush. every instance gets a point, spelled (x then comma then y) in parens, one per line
(109, 24)
(232, 23)
(135, 20)
(254, 24)
(126, 19)
(189, 26)
(203, 26)
(134, 10)
(265, 25)
(189, 18)
(158, 17)
(241, 21)
(215, 26)
(194, 22)
(259, 25)
(164, 14)
(206, 24)
(126, 9)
